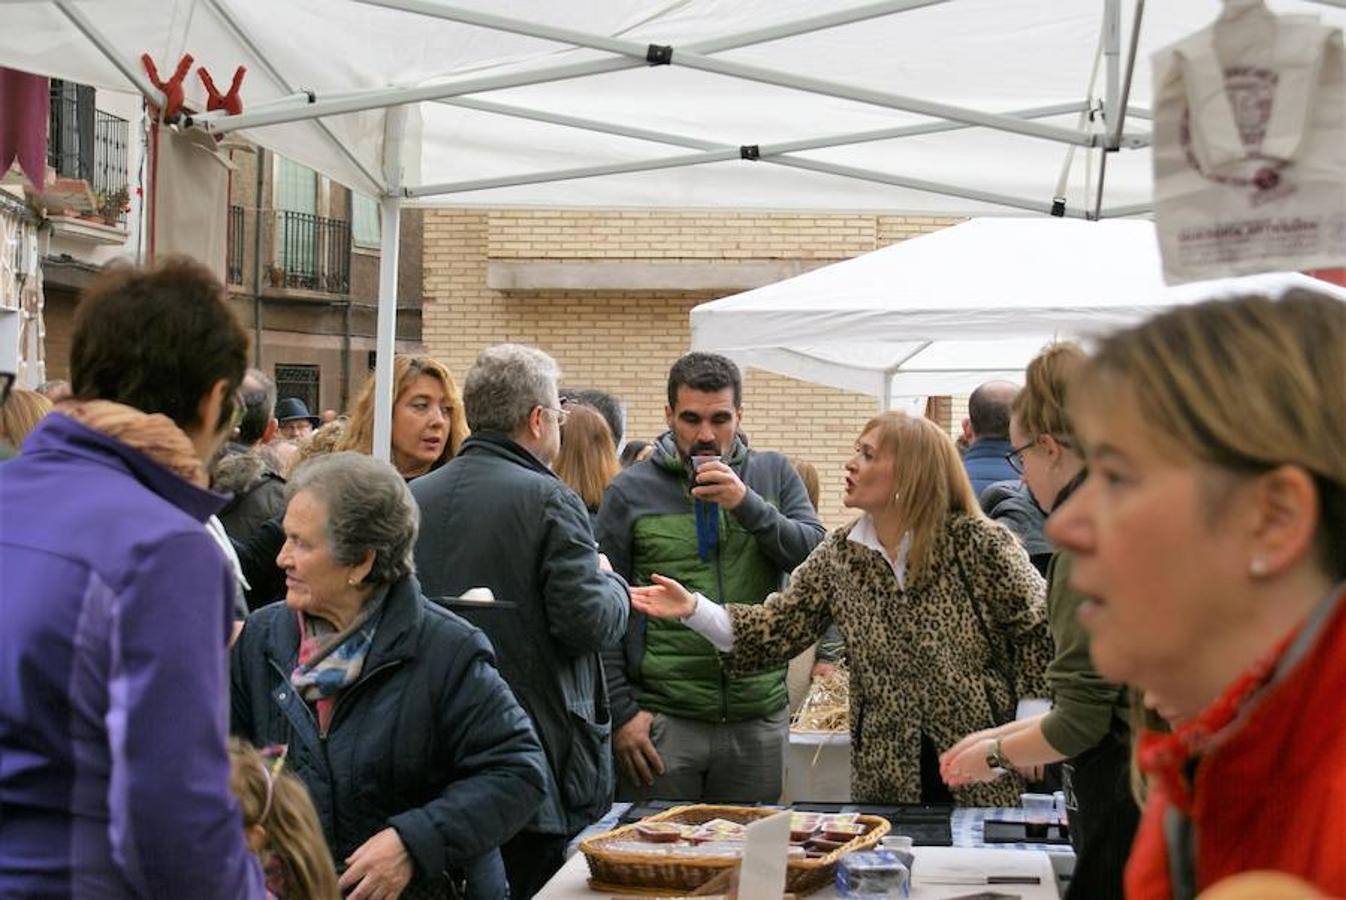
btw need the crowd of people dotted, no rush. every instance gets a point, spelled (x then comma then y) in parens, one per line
(241, 657)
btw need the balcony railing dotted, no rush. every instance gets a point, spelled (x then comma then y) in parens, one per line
(313, 252)
(87, 143)
(234, 245)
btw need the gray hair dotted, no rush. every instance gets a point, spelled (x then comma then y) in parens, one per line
(504, 385)
(368, 508)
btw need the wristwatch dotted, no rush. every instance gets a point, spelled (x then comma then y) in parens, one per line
(995, 758)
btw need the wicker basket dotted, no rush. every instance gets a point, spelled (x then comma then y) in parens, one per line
(663, 874)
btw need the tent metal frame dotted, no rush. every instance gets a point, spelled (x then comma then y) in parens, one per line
(303, 105)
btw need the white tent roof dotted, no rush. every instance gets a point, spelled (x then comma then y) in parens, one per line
(944, 312)
(742, 73)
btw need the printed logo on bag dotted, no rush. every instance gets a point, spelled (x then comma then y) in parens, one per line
(1251, 91)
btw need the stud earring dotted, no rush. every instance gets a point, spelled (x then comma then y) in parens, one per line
(350, 581)
(1258, 567)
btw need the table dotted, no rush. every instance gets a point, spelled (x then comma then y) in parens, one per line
(571, 883)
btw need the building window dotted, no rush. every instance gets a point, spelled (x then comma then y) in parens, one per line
(312, 251)
(298, 380)
(365, 231)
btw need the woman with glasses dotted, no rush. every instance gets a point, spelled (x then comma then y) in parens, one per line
(1087, 725)
(428, 421)
(940, 609)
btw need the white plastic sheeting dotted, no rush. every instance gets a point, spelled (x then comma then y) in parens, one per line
(944, 312)
(989, 56)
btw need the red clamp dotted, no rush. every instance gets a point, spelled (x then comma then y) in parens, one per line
(173, 93)
(231, 102)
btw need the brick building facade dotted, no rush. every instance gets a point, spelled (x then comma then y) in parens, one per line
(600, 292)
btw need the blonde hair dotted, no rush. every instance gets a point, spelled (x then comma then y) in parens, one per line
(587, 460)
(320, 443)
(1040, 407)
(1244, 385)
(406, 369)
(929, 479)
(20, 415)
(279, 804)
(808, 474)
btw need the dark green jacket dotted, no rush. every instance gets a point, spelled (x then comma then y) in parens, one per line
(647, 524)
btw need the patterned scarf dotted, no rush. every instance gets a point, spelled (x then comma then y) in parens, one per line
(153, 434)
(331, 660)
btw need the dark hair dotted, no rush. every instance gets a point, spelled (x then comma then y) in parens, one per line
(606, 404)
(259, 405)
(631, 453)
(988, 409)
(157, 339)
(707, 372)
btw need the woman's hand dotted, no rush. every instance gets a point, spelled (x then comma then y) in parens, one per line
(665, 599)
(968, 765)
(379, 869)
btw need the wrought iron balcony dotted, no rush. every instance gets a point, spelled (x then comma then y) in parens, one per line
(85, 142)
(312, 253)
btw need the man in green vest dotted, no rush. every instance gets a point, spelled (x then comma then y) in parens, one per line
(730, 522)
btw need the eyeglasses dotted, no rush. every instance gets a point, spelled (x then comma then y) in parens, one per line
(6, 384)
(561, 413)
(1016, 456)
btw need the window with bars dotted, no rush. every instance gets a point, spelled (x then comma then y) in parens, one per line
(299, 380)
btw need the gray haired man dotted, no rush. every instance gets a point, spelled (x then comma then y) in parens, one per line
(496, 516)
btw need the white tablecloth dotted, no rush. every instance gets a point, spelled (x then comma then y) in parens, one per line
(932, 863)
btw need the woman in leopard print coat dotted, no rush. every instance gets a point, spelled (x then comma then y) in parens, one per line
(942, 613)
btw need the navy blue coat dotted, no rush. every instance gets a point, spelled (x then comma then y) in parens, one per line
(986, 464)
(429, 740)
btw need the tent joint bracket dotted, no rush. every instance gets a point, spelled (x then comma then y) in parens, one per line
(1059, 206)
(659, 54)
(750, 151)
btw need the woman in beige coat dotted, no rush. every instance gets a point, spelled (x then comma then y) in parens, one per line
(942, 613)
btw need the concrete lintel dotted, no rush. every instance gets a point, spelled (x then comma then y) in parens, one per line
(635, 275)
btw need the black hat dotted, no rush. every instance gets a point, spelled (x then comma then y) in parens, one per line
(293, 408)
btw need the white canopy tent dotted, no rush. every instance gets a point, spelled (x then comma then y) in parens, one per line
(951, 106)
(944, 312)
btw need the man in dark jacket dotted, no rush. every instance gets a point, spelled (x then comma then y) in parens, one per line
(496, 516)
(258, 490)
(987, 431)
(730, 522)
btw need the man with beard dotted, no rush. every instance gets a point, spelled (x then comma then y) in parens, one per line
(496, 516)
(727, 521)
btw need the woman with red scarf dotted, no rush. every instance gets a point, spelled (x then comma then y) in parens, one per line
(1210, 540)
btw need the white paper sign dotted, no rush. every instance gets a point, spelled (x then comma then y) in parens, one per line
(762, 876)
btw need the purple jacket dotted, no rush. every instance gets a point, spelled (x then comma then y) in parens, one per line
(114, 617)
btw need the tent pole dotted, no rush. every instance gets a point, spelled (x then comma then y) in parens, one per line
(1112, 49)
(390, 208)
(1116, 127)
(482, 184)
(690, 56)
(886, 398)
(379, 98)
(245, 38)
(126, 67)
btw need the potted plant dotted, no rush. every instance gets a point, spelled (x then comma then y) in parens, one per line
(112, 205)
(277, 275)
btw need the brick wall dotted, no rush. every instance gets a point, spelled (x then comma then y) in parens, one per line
(625, 342)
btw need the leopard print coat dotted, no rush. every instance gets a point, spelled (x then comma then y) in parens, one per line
(921, 659)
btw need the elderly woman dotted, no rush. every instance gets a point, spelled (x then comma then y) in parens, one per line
(1088, 723)
(419, 759)
(1209, 538)
(940, 609)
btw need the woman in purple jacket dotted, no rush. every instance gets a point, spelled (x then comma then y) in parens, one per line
(114, 771)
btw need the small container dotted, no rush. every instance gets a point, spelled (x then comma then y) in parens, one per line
(843, 832)
(659, 832)
(901, 846)
(872, 874)
(823, 844)
(1038, 814)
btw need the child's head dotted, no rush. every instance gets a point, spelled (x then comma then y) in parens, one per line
(279, 818)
